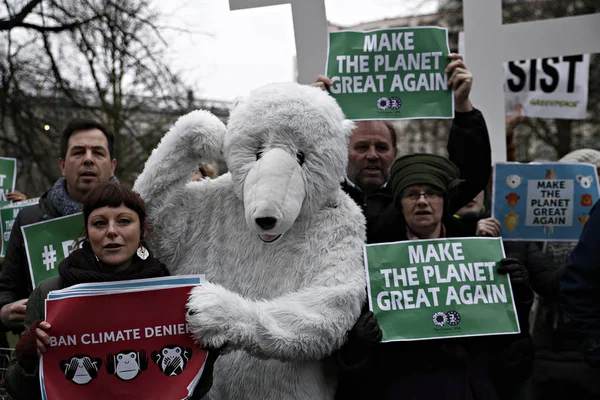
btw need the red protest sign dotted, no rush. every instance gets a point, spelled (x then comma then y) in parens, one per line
(132, 345)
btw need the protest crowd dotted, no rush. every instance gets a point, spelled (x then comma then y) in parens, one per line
(319, 329)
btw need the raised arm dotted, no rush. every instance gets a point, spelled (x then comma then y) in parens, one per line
(469, 148)
(469, 142)
(197, 136)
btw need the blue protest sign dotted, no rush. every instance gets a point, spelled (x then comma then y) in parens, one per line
(546, 202)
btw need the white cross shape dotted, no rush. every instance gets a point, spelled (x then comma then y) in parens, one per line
(310, 31)
(488, 43)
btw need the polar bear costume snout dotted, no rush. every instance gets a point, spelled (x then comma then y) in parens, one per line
(274, 191)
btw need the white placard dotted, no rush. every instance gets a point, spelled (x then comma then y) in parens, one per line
(552, 87)
(310, 31)
(491, 43)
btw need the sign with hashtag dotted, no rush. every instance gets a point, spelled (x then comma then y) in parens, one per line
(8, 214)
(49, 242)
(8, 176)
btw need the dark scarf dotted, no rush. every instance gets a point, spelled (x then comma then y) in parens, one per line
(62, 201)
(82, 267)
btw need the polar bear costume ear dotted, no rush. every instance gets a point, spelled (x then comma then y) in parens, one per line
(235, 103)
(349, 126)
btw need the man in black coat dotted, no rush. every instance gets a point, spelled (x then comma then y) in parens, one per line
(86, 159)
(372, 150)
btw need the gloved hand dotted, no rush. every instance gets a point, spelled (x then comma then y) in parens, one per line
(362, 338)
(26, 350)
(517, 271)
(206, 380)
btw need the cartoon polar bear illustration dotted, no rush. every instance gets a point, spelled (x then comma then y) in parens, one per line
(513, 181)
(585, 181)
(278, 240)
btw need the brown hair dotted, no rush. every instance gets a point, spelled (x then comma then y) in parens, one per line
(113, 195)
(393, 133)
(85, 124)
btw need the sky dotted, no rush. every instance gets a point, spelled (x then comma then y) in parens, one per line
(223, 54)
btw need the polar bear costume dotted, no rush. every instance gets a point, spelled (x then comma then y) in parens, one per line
(278, 240)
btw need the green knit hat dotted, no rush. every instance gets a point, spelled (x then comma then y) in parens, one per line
(424, 169)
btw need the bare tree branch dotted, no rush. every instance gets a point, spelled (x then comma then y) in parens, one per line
(17, 20)
(58, 28)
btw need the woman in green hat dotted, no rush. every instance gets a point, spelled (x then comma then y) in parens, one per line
(427, 190)
(424, 186)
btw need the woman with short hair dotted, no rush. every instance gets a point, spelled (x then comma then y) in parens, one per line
(113, 250)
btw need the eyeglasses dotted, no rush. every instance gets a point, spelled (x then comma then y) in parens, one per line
(431, 195)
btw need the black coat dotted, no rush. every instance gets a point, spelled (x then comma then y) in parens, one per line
(15, 280)
(437, 369)
(579, 299)
(468, 147)
(580, 283)
(441, 369)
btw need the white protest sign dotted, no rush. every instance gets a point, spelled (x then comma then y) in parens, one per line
(552, 87)
(490, 43)
(550, 202)
(310, 31)
(555, 87)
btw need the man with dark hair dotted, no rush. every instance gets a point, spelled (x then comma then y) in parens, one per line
(86, 159)
(371, 152)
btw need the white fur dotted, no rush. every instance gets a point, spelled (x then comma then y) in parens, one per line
(280, 309)
(278, 196)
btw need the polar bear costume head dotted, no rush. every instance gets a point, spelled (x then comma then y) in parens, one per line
(286, 149)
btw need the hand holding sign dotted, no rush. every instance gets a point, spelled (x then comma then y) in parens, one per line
(461, 80)
(43, 339)
(12, 315)
(488, 227)
(364, 336)
(32, 344)
(16, 196)
(323, 83)
(515, 269)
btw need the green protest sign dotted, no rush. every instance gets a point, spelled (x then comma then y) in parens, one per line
(49, 242)
(431, 289)
(8, 214)
(8, 176)
(391, 73)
